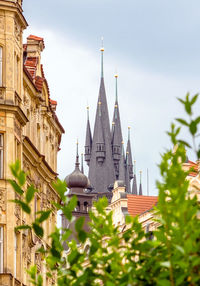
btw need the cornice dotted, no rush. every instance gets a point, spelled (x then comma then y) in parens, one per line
(16, 110)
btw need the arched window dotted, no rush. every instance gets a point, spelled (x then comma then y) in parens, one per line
(78, 206)
(85, 206)
(1, 66)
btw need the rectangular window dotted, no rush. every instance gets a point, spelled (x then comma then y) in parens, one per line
(1, 249)
(1, 155)
(1, 66)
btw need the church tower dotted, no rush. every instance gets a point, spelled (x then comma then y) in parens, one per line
(104, 151)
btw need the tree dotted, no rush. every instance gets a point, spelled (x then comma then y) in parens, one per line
(127, 258)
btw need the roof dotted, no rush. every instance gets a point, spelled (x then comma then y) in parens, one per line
(192, 165)
(139, 204)
(30, 68)
(35, 38)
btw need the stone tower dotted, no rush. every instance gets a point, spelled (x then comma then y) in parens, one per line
(104, 151)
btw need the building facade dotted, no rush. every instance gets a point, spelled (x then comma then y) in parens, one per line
(29, 131)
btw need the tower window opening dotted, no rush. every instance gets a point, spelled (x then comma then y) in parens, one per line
(86, 206)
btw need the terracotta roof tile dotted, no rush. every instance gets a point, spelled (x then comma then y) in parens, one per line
(32, 37)
(53, 102)
(192, 165)
(31, 65)
(139, 204)
(39, 82)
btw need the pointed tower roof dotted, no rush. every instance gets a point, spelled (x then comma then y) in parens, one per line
(116, 131)
(88, 139)
(129, 155)
(134, 185)
(101, 176)
(128, 183)
(140, 188)
(122, 170)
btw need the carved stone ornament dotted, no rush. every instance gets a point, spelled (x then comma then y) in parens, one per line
(2, 26)
(17, 31)
(17, 129)
(2, 201)
(2, 93)
(17, 211)
(38, 260)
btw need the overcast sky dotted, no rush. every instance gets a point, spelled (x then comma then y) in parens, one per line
(153, 44)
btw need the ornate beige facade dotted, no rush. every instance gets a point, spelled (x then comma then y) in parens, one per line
(29, 131)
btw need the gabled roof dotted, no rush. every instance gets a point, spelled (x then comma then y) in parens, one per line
(139, 204)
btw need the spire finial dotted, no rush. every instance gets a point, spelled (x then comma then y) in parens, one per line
(140, 177)
(135, 167)
(82, 163)
(102, 50)
(88, 112)
(116, 88)
(129, 129)
(77, 156)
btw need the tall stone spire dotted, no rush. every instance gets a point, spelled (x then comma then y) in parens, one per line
(122, 170)
(101, 167)
(134, 185)
(128, 183)
(116, 132)
(88, 140)
(140, 188)
(129, 155)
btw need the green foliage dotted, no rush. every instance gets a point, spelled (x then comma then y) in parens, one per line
(111, 256)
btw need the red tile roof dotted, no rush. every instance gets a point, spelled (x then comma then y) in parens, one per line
(32, 37)
(31, 65)
(53, 102)
(192, 165)
(139, 204)
(39, 82)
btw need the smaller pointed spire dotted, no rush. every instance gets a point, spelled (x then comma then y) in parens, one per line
(77, 156)
(82, 170)
(129, 157)
(122, 171)
(102, 50)
(88, 140)
(140, 188)
(134, 185)
(128, 187)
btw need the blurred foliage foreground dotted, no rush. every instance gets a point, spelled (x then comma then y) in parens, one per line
(129, 257)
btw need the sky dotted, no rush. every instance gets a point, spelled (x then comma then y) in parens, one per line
(153, 45)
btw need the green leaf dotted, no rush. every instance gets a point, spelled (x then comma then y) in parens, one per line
(79, 223)
(22, 178)
(44, 215)
(26, 226)
(25, 207)
(182, 121)
(38, 229)
(194, 99)
(185, 143)
(16, 187)
(193, 127)
(197, 120)
(15, 168)
(82, 235)
(30, 193)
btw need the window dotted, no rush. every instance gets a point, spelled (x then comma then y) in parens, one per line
(1, 155)
(85, 206)
(1, 249)
(1, 66)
